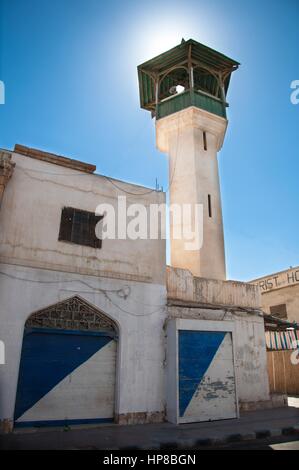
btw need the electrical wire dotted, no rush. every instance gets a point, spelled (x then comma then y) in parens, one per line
(109, 179)
(120, 292)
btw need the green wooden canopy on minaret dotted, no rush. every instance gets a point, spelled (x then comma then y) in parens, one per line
(203, 72)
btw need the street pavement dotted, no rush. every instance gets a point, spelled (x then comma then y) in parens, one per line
(272, 425)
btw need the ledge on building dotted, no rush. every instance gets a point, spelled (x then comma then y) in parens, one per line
(277, 400)
(55, 159)
(273, 323)
(182, 286)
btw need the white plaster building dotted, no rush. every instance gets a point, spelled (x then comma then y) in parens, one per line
(98, 331)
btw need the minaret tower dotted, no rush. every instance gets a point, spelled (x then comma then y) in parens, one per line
(185, 89)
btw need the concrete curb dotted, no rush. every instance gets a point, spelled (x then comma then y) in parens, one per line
(189, 444)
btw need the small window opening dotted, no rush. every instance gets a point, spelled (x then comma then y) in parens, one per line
(205, 143)
(79, 227)
(279, 311)
(210, 205)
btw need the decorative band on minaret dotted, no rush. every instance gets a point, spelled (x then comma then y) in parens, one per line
(185, 89)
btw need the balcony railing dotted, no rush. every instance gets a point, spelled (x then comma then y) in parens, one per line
(191, 98)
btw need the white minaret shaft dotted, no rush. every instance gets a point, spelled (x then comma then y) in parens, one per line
(192, 137)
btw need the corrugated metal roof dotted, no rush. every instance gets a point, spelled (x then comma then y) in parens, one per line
(177, 54)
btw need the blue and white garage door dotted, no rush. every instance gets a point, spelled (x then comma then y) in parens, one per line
(206, 376)
(66, 376)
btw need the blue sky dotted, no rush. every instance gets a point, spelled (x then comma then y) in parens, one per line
(69, 68)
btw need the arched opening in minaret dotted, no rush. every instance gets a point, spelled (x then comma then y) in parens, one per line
(174, 82)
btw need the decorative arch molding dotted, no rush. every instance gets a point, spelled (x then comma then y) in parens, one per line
(71, 314)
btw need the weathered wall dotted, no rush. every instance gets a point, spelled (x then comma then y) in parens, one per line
(140, 317)
(37, 270)
(250, 348)
(6, 171)
(206, 299)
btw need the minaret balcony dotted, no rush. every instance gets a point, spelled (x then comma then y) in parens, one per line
(188, 98)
